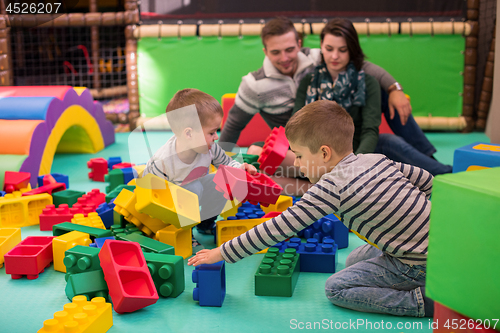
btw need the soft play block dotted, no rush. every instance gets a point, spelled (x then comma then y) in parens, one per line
(278, 273)
(62, 228)
(231, 228)
(476, 156)
(18, 211)
(327, 227)
(147, 244)
(167, 272)
(129, 281)
(448, 321)
(179, 238)
(30, 257)
(9, 237)
(281, 205)
(210, 282)
(65, 242)
(274, 151)
(462, 269)
(314, 256)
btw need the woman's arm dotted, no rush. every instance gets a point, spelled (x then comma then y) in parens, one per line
(300, 97)
(370, 114)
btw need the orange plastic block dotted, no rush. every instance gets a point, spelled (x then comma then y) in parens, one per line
(273, 151)
(65, 242)
(167, 202)
(227, 230)
(130, 284)
(281, 205)
(125, 204)
(9, 237)
(179, 238)
(81, 316)
(18, 211)
(15, 181)
(92, 220)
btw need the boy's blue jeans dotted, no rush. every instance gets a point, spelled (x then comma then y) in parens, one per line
(375, 282)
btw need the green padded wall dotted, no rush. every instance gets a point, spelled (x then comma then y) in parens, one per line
(464, 251)
(428, 67)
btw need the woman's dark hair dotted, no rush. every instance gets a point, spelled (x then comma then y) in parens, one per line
(343, 28)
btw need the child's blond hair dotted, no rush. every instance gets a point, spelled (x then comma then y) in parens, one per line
(322, 123)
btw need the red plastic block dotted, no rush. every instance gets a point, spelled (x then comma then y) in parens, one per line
(15, 181)
(30, 257)
(49, 188)
(123, 165)
(52, 215)
(270, 215)
(447, 321)
(238, 184)
(48, 179)
(99, 167)
(93, 197)
(273, 151)
(129, 281)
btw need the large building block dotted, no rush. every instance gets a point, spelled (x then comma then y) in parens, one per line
(227, 230)
(114, 178)
(448, 321)
(179, 238)
(238, 184)
(113, 161)
(69, 197)
(81, 316)
(327, 227)
(167, 272)
(125, 204)
(113, 194)
(89, 284)
(15, 181)
(98, 167)
(53, 178)
(278, 273)
(99, 242)
(65, 242)
(274, 150)
(462, 269)
(281, 205)
(17, 211)
(230, 209)
(210, 282)
(62, 228)
(476, 156)
(147, 244)
(92, 220)
(93, 197)
(80, 259)
(128, 174)
(51, 216)
(9, 237)
(166, 201)
(49, 189)
(30, 257)
(129, 281)
(106, 213)
(314, 256)
(123, 165)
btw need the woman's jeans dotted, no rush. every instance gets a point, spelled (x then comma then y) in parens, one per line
(376, 282)
(409, 144)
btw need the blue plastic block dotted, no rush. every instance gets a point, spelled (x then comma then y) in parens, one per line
(210, 282)
(476, 154)
(93, 245)
(128, 174)
(59, 177)
(248, 211)
(99, 242)
(2, 193)
(327, 227)
(112, 161)
(105, 212)
(314, 256)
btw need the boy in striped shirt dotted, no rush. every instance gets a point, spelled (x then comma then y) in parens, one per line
(385, 201)
(185, 159)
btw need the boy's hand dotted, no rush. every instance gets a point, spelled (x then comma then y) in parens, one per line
(206, 257)
(249, 168)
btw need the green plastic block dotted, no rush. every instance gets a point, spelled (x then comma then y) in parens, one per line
(118, 219)
(114, 193)
(81, 259)
(167, 272)
(464, 251)
(147, 244)
(69, 197)
(65, 227)
(278, 273)
(90, 284)
(114, 178)
(251, 159)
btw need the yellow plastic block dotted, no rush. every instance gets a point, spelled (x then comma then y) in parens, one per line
(168, 202)
(17, 211)
(125, 204)
(92, 220)
(9, 237)
(227, 230)
(81, 316)
(139, 169)
(280, 206)
(65, 242)
(180, 239)
(230, 209)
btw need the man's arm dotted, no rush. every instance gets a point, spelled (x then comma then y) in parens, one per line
(417, 176)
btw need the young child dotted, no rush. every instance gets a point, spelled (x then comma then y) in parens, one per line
(185, 159)
(384, 201)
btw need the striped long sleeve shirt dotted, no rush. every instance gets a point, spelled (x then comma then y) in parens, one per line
(385, 201)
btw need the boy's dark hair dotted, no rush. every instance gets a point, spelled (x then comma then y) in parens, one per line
(277, 27)
(322, 123)
(343, 28)
(206, 106)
